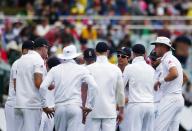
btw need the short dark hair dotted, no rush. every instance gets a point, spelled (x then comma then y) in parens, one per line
(138, 49)
(89, 54)
(125, 51)
(41, 42)
(53, 61)
(102, 47)
(28, 44)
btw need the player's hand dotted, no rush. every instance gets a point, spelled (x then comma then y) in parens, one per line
(86, 110)
(85, 113)
(157, 85)
(51, 87)
(120, 117)
(49, 112)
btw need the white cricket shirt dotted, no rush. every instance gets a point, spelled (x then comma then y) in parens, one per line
(174, 86)
(111, 88)
(158, 76)
(140, 77)
(12, 94)
(27, 94)
(68, 78)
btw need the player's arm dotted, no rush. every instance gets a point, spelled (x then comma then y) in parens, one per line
(84, 91)
(14, 75)
(38, 78)
(14, 84)
(84, 88)
(39, 69)
(185, 78)
(120, 95)
(93, 89)
(172, 74)
(43, 91)
(126, 81)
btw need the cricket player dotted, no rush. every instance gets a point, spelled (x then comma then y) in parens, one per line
(10, 103)
(172, 102)
(68, 78)
(140, 77)
(124, 56)
(30, 73)
(111, 93)
(90, 57)
(47, 124)
(156, 64)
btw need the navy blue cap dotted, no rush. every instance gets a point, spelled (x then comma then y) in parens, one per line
(125, 51)
(183, 39)
(28, 44)
(53, 61)
(139, 49)
(89, 54)
(41, 42)
(102, 47)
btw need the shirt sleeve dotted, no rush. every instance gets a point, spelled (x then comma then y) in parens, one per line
(39, 67)
(169, 63)
(14, 71)
(126, 75)
(44, 87)
(92, 87)
(120, 94)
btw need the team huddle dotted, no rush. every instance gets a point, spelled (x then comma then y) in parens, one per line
(47, 94)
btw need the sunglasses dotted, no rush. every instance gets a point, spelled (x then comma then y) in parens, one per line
(122, 56)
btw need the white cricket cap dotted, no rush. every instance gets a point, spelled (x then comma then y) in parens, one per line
(163, 40)
(69, 52)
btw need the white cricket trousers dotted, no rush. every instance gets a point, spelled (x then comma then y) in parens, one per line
(100, 124)
(27, 119)
(68, 118)
(10, 117)
(168, 113)
(47, 124)
(138, 117)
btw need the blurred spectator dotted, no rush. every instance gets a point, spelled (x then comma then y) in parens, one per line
(66, 38)
(182, 45)
(7, 34)
(53, 35)
(13, 52)
(17, 27)
(73, 31)
(29, 10)
(3, 54)
(4, 79)
(125, 42)
(89, 33)
(43, 28)
(54, 14)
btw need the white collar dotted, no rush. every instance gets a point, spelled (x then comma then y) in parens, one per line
(102, 59)
(31, 52)
(138, 59)
(34, 52)
(166, 54)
